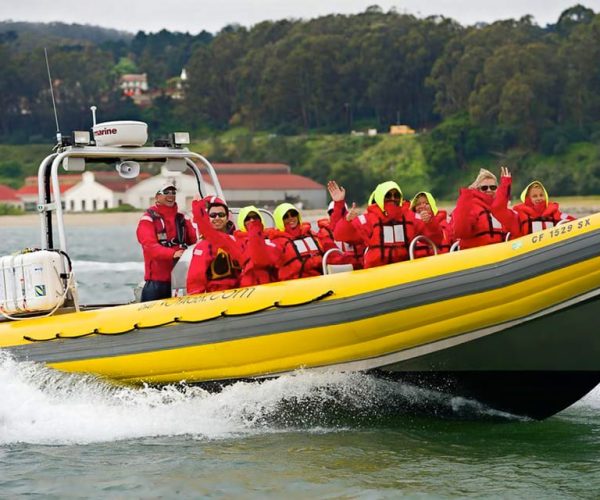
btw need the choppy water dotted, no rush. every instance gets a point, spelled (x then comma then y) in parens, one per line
(310, 435)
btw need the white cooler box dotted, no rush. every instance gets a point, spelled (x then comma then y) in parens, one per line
(32, 282)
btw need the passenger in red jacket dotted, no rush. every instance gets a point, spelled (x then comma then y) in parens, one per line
(353, 250)
(215, 259)
(481, 219)
(425, 208)
(164, 234)
(300, 251)
(259, 253)
(537, 213)
(387, 227)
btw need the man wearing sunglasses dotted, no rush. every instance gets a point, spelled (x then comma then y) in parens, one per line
(164, 234)
(482, 218)
(215, 259)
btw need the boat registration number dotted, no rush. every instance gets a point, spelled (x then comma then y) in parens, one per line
(562, 229)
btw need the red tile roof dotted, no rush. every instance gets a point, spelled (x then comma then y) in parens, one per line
(34, 189)
(70, 179)
(252, 168)
(111, 179)
(267, 181)
(8, 193)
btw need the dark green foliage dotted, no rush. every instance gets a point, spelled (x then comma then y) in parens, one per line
(486, 93)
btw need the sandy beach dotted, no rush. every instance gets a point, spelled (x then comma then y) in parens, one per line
(578, 207)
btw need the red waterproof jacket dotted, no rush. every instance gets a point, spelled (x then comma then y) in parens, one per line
(215, 259)
(157, 236)
(387, 234)
(422, 249)
(300, 252)
(353, 251)
(259, 255)
(533, 218)
(479, 219)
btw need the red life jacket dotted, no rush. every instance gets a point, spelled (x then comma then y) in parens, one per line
(352, 252)
(211, 269)
(259, 259)
(301, 253)
(422, 249)
(161, 229)
(391, 234)
(532, 220)
(481, 227)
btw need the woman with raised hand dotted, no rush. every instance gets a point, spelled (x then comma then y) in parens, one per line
(386, 228)
(481, 219)
(352, 250)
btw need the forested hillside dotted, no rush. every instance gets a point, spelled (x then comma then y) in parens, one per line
(511, 91)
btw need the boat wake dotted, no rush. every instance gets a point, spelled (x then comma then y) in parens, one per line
(44, 406)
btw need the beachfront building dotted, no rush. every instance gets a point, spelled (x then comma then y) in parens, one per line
(98, 190)
(261, 184)
(268, 184)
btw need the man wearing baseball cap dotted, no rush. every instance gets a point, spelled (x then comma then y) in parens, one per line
(164, 234)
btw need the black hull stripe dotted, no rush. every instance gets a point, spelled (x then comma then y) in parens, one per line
(322, 314)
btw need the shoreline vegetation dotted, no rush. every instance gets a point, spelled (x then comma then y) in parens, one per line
(578, 206)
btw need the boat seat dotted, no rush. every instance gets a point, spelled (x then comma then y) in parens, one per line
(335, 268)
(424, 239)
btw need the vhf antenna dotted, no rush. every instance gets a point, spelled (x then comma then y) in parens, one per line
(58, 134)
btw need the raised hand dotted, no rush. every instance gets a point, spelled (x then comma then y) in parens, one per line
(337, 193)
(504, 172)
(425, 216)
(352, 213)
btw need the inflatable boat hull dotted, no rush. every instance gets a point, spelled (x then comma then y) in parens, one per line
(511, 325)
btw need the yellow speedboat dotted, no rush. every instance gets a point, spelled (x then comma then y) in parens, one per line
(511, 325)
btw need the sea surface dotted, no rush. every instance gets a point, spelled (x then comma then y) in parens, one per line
(322, 435)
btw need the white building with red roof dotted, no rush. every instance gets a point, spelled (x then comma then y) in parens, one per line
(268, 184)
(8, 196)
(28, 194)
(99, 190)
(261, 184)
(86, 192)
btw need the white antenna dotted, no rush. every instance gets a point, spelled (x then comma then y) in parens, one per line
(93, 108)
(58, 134)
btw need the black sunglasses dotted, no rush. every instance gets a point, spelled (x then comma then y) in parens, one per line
(251, 217)
(214, 215)
(290, 213)
(392, 196)
(168, 191)
(484, 188)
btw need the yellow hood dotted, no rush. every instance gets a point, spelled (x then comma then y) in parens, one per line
(382, 189)
(244, 211)
(280, 211)
(524, 192)
(430, 199)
